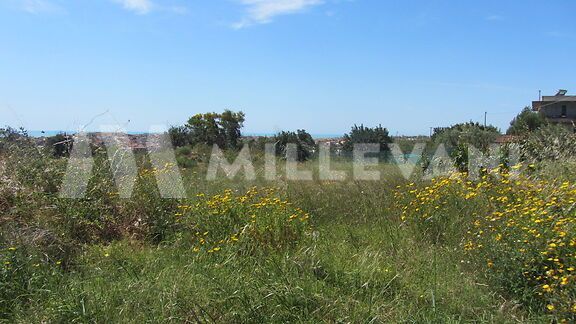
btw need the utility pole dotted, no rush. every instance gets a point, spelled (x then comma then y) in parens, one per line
(485, 117)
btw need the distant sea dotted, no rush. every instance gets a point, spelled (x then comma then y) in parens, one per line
(46, 133)
(315, 136)
(37, 133)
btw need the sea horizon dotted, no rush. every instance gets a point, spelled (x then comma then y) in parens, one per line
(48, 133)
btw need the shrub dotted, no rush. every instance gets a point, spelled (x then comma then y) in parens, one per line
(520, 231)
(180, 136)
(147, 215)
(257, 221)
(458, 138)
(10, 137)
(305, 145)
(184, 157)
(549, 143)
(59, 145)
(437, 210)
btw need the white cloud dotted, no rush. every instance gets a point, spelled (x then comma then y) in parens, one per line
(140, 7)
(264, 11)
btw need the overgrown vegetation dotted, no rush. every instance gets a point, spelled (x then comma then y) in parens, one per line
(458, 139)
(451, 249)
(303, 144)
(527, 121)
(523, 239)
(366, 135)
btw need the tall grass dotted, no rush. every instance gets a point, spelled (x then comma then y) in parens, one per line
(238, 251)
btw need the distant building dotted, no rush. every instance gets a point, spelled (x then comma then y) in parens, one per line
(507, 139)
(558, 109)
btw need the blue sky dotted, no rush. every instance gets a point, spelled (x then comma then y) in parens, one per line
(321, 65)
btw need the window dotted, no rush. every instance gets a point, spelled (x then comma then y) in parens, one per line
(564, 111)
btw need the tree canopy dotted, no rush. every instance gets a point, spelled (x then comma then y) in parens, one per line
(525, 122)
(366, 135)
(212, 128)
(458, 138)
(470, 133)
(305, 144)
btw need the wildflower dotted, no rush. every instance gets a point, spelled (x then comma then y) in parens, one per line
(550, 307)
(517, 166)
(547, 288)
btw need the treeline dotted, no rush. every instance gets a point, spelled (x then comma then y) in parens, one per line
(224, 130)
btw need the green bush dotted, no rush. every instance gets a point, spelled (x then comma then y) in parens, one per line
(366, 135)
(59, 145)
(549, 143)
(457, 139)
(305, 145)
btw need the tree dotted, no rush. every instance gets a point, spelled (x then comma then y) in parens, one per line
(220, 129)
(366, 135)
(180, 136)
(470, 133)
(204, 129)
(305, 144)
(209, 129)
(12, 136)
(9, 134)
(231, 123)
(59, 144)
(525, 122)
(458, 138)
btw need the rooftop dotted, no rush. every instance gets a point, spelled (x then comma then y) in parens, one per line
(559, 98)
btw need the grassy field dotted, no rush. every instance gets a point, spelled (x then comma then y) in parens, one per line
(499, 249)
